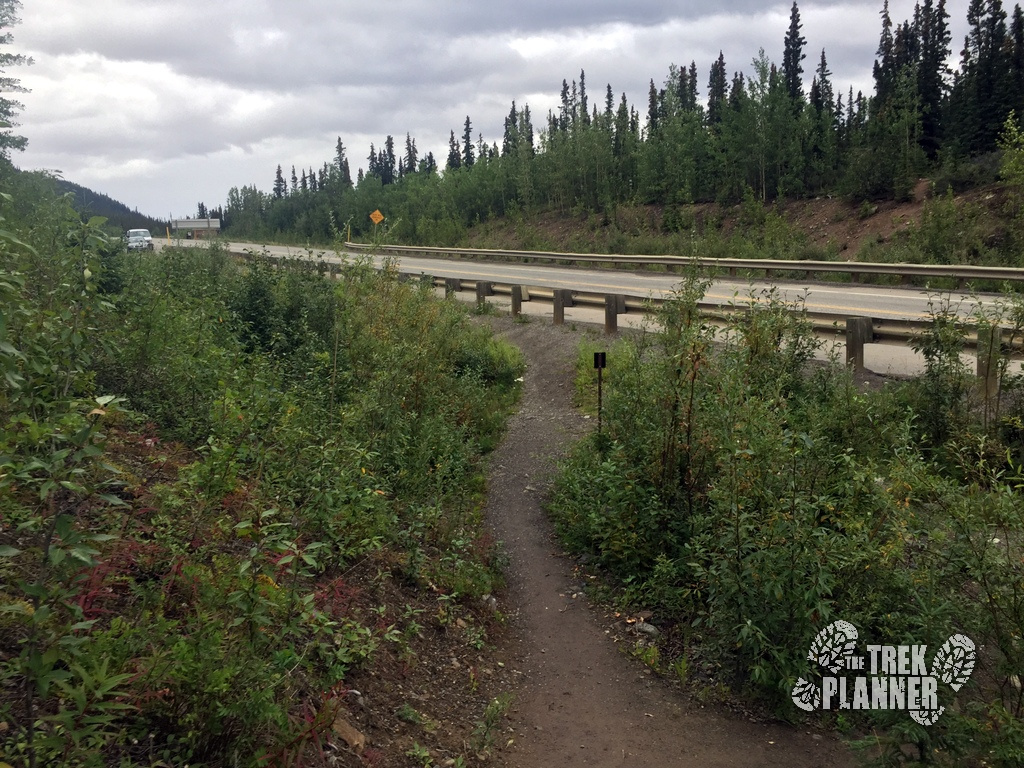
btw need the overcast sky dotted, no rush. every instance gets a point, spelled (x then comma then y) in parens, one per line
(164, 103)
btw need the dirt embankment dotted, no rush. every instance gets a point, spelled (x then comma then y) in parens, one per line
(827, 223)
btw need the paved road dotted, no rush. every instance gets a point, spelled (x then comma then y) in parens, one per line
(830, 298)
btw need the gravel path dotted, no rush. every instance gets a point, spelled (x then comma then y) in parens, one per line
(583, 702)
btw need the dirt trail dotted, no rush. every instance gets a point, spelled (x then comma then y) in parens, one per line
(583, 702)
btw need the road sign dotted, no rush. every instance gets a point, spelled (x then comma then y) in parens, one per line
(377, 217)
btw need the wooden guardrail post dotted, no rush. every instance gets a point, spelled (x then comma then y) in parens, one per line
(562, 299)
(517, 300)
(483, 290)
(614, 305)
(452, 285)
(859, 332)
(990, 339)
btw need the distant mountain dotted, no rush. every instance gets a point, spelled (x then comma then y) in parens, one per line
(118, 215)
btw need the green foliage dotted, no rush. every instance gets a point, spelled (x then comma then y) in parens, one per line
(1011, 144)
(174, 554)
(748, 496)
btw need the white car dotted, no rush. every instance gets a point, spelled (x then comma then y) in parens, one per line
(139, 240)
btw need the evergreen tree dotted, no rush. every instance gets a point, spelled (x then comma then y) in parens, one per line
(388, 162)
(454, 153)
(280, 188)
(9, 108)
(428, 165)
(717, 85)
(295, 181)
(510, 138)
(931, 73)
(526, 128)
(583, 108)
(983, 89)
(884, 68)
(1017, 60)
(411, 161)
(691, 96)
(341, 161)
(653, 109)
(821, 97)
(371, 163)
(793, 54)
(467, 144)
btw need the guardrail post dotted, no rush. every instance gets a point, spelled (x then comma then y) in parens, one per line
(562, 299)
(452, 285)
(990, 339)
(614, 305)
(859, 332)
(483, 289)
(517, 300)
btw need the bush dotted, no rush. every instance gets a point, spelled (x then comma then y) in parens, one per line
(749, 496)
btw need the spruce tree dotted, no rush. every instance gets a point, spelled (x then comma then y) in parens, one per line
(411, 161)
(884, 67)
(428, 165)
(1017, 60)
(341, 161)
(371, 162)
(467, 144)
(510, 137)
(454, 153)
(280, 188)
(691, 96)
(717, 86)
(931, 73)
(583, 108)
(652, 110)
(389, 161)
(793, 54)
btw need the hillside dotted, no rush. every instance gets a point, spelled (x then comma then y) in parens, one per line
(819, 228)
(118, 215)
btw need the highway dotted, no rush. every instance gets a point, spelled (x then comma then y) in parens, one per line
(840, 299)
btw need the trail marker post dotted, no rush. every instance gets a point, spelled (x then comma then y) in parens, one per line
(600, 361)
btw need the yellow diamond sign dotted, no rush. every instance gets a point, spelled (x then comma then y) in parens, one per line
(376, 217)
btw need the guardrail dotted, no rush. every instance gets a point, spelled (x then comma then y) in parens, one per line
(990, 342)
(962, 273)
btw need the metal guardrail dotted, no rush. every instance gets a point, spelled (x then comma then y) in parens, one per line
(989, 342)
(906, 272)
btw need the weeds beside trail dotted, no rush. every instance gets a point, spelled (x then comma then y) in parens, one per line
(208, 477)
(749, 498)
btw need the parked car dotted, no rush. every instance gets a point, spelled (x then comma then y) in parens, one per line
(139, 240)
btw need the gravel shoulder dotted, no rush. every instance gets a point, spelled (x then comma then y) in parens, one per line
(582, 701)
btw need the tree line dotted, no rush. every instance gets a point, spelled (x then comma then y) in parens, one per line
(753, 134)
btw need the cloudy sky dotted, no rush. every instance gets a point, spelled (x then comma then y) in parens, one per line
(164, 103)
